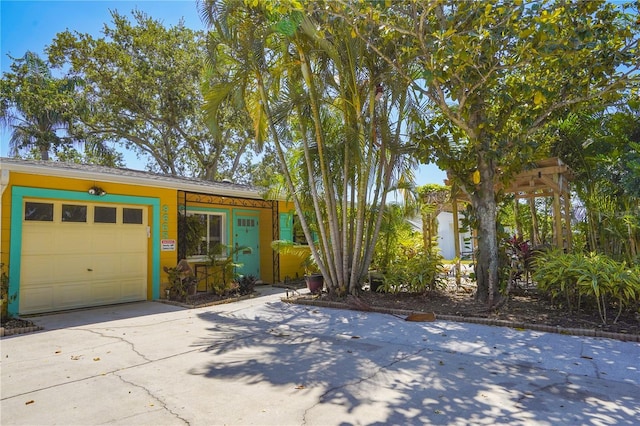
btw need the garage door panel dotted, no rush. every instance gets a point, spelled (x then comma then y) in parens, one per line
(42, 271)
(107, 266)
(107, 242)
(131, 290)
(68, 296)
(37, 241)
(135, 264)
(36, 299)
(104, 292)
(69, 265)
(136, 245)
(70, 240)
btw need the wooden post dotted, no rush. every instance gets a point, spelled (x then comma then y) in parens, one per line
(516, 213)
(535, 234)
(567, 220)
(557, 219)
(456, 237)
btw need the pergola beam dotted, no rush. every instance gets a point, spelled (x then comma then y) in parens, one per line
(549, 179)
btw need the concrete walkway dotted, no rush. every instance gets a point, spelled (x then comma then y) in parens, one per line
(264, 362)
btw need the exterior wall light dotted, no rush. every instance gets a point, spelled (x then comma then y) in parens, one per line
(97, 191)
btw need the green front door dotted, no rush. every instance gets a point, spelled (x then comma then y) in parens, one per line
(246, 229)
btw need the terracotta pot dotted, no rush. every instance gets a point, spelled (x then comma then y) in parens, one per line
(315, 283)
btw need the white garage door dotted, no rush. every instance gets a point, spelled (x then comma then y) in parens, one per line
(78, 254)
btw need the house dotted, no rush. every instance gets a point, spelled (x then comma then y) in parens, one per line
(446, 235)
(74, 236)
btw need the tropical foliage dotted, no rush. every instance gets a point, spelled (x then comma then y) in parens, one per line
(578, 282)
(42, 112)
(495, 74)
(413, 270)
(342, 99)
(143, 84)
(603, 150)
(334, 114)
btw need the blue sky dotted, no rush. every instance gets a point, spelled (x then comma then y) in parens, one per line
(32, 25)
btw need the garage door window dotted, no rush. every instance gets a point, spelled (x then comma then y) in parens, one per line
(104, 214)
(132, 216)
(74, 213)
(42, 212)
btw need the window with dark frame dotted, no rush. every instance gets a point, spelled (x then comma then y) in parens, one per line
(74, 213)
(132, 216)
(104, 214)
(40, 212)
(212, 236)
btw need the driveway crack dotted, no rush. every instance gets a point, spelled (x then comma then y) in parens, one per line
(151, 395)
(133, 347)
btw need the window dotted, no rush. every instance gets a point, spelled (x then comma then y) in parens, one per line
(104, 214)
(291, 230)
(74, 213)
(246, 223)
(298, 233)
(212, 232)
(42, 212)
(132, 216)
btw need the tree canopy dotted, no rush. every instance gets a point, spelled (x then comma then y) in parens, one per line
(334, 114)
(143, 84)
(36, 106)
(494, 74)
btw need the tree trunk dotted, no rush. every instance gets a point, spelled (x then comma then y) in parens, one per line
(44, 153)
(485, 206)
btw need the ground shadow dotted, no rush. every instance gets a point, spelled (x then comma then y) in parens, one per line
(383, 370)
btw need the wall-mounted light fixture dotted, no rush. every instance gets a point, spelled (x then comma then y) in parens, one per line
(97, 191)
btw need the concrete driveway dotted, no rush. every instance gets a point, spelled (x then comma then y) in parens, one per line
(261, 361)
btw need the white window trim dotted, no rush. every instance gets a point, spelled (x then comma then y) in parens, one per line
(223, 234)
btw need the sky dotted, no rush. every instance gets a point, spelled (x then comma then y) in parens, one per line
(32, 25)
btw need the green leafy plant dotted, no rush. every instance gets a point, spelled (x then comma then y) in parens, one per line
(246, 284)
(414, 274)
(4, 291)
(192, 229)
(594, 278)
(624, 287)
(182, 280)
(555, 276)
(224, 268)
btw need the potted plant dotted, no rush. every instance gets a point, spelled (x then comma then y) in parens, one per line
(312, 276)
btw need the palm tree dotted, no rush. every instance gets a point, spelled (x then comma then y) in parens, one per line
(36, 105)
(335, 116)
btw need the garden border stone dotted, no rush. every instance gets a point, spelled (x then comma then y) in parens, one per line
(303, 300)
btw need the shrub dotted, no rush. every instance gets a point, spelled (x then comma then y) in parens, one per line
(246, 284)
(593, 278)
(4, 291)
(414, 274)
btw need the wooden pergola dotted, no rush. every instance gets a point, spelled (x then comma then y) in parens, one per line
(549, 178)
